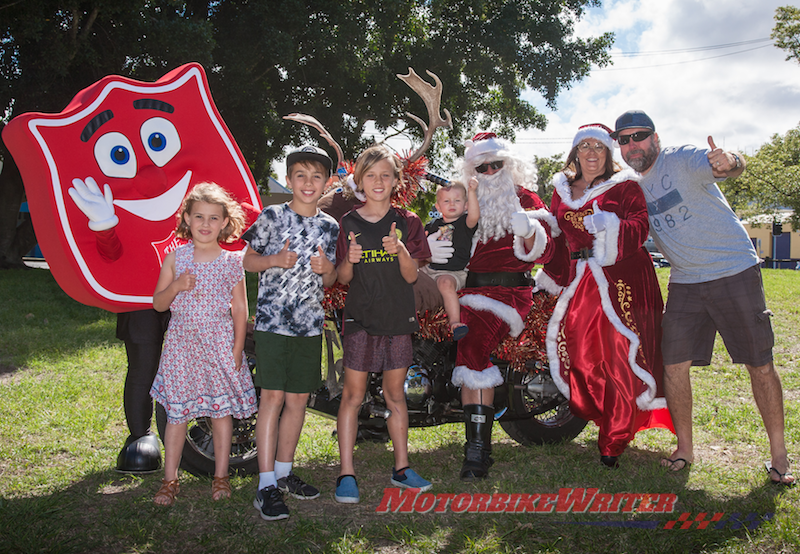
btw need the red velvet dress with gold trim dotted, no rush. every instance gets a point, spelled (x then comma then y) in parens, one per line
(604, 339)
(493, 312)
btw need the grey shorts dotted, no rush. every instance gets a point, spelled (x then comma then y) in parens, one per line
(376, 353)
(460, 276)
(734, 306)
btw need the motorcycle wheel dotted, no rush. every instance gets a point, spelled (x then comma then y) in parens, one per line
(198, 449)
(548, 423)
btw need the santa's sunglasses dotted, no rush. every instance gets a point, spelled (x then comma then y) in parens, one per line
(638, 136)
(483, 168)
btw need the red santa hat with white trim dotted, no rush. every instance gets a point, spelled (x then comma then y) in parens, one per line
(596, 131)
(484, 146)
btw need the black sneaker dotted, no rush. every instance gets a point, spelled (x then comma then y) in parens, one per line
(270, 505)
(297, 488)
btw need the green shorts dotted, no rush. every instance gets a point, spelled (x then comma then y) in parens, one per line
(290, 364)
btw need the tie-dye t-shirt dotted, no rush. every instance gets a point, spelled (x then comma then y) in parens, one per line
(290, 300)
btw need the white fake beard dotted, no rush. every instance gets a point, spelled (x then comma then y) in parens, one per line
(498, 200)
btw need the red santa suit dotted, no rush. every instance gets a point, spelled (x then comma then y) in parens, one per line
(492, 312)
(604, 339)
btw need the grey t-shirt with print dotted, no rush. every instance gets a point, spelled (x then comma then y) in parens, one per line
(290, 300)
(691, 222)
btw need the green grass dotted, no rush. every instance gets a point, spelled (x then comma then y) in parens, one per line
(62, 424)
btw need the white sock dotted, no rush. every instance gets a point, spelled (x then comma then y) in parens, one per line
(282, 469)
(267, 479)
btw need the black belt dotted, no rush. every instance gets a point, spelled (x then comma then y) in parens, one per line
(582, 254)
(498, 279)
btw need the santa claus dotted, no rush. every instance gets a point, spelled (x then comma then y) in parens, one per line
(514, 233)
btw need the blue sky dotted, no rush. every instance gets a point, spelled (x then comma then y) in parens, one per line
(741, 95)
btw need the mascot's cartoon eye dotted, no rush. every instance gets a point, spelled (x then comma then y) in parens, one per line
(115, 156)
(160, 139)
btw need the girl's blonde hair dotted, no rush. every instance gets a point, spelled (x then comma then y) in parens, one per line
(212, 193)
(370, 157)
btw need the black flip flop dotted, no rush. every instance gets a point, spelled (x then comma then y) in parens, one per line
(781, 476)
(671, 464)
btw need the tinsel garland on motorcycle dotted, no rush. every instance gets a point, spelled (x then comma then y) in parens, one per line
(433, 325)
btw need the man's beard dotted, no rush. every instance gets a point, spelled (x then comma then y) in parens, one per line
(646, 160)
(498, 201)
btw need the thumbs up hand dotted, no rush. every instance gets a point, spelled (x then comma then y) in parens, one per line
(186, 281)
(391, 241)
(721, 162)
(596, 222)
(354, 251)
(285, 258)
(320, 264)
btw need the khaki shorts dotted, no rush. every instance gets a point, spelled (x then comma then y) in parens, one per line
(460, 276)
(290, 364)
(734, 306)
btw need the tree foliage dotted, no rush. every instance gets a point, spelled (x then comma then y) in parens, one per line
(546, 168)
(771, 180)
(787, 31)
(333, 59)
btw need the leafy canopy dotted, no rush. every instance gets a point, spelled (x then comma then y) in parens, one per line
(787, 31)
(333, 59)
(771, 181)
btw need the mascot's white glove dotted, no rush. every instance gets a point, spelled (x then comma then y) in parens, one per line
(521, 225)
(441, 250)
(97, 206)
(597, 222)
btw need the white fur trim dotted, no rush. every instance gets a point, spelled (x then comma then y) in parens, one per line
(646, 400)
(606, 242)
(543, 214)
(594, 132)
(546, 283)
(493, 145)
(476, 380)
(352, 184)
(554, 326)
(539, 242)
(503, 311)
(562, 188)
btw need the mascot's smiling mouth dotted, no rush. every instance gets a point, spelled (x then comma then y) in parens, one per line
(161, 207)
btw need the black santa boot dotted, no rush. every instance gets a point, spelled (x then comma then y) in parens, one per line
(478, 448)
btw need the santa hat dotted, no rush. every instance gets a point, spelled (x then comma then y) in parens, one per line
(596, 131)
(485, 144)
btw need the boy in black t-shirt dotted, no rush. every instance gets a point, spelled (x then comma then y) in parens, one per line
(460, 212)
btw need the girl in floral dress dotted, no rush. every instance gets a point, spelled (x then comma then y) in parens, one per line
(202, 371)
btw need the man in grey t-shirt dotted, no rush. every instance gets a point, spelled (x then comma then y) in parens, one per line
(715, 281)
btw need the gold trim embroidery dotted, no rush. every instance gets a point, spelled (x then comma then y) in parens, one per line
(576, 218)
(625, 299)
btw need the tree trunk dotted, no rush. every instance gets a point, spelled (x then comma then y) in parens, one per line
(16, 238)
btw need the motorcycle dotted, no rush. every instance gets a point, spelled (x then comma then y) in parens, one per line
(528, 406)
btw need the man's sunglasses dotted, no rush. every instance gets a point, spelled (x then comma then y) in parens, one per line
(483, 168)
(638, 136)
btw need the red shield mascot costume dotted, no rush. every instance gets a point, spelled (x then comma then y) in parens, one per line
(513, 233)
(105, 179)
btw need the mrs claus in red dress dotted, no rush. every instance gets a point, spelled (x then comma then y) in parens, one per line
(604, 339)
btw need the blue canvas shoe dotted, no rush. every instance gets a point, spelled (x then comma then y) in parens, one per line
(347, 490)
(408, 479)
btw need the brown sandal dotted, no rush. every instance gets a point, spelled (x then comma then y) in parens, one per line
(166, 494)
(220, 488)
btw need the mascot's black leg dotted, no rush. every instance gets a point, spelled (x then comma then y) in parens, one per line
(143, 334)
(478, 448)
